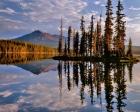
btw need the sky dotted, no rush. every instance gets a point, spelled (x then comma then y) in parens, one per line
(19, 17)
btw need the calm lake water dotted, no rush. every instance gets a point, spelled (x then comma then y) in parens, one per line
(48, 85)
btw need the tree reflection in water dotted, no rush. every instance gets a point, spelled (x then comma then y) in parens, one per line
(96, 75)
(25, 57)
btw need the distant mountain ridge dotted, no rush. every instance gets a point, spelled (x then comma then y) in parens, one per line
(39, 37)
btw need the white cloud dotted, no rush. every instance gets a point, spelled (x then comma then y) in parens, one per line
(16, 0)
(44, 14)
(130, 110)
(134, 8)
(97, 2)
(7, 10)
(88, 17)
(6, 93)
(128, 19)
(102, 5)
(41, 95)
(11, 75)
(9, 108)
(47, 11)
(134, 26)
(2, 19)
(135, 101)
(8, 24)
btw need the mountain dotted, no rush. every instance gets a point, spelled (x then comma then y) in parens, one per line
(42, 38)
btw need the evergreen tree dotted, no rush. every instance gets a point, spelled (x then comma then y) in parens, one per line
(69, 38)
(91, 35)
(108, 28)
(95, 42)
(119, 30)
(60, 46)
(129, 51)
(82, 27)
(65, 48)
(82, 45)
(99, 37)
(76, 44)
(103, 45)
(130, 71)
(86, 42)
(74, 37)
(108, 87)
(120, 87)
(83, 38)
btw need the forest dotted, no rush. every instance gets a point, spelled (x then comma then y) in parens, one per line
(11, 46)
(96, 41)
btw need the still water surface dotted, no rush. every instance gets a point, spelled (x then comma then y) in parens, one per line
(48, 85)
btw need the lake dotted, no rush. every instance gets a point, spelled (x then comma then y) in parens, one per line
(49, 85)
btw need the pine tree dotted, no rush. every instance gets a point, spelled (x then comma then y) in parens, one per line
(91, 35)
(82, 45)
(129, 51)
(65, 48)
(86, 42)
(60, 46)
(69, 38)
(82, 27)
(103, 45)
(99, 37)
(83, 38)
(73, 49)
(73, 37)
(76, 44)
(95, 42)
(119, 30)
(108, 28)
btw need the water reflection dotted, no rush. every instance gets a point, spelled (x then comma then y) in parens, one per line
(14, 58)
(98, 76)
(82, 86)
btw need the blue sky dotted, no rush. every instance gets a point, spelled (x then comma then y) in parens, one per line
(18, 17)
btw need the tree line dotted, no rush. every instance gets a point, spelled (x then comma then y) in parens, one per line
(93, 41)
(11, 46)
